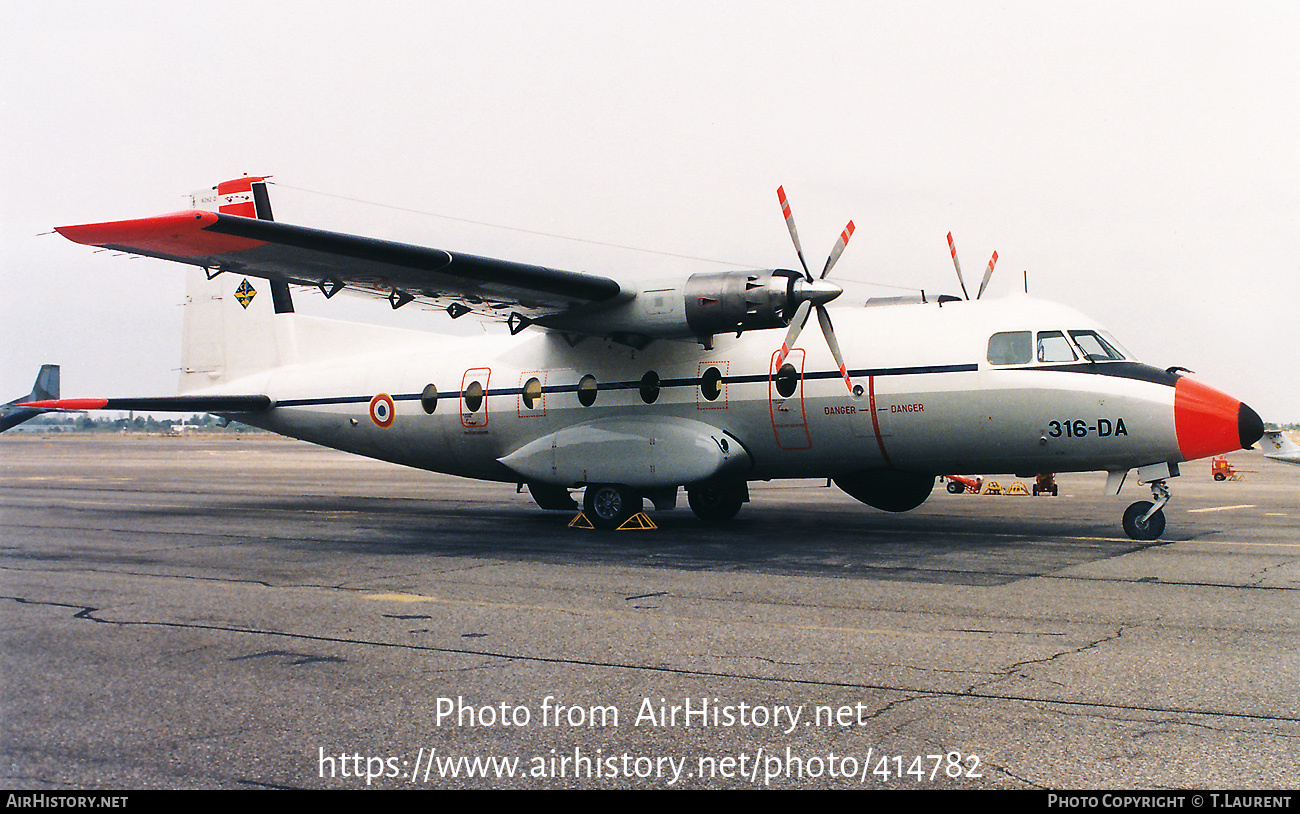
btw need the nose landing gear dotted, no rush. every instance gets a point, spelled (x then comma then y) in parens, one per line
(1146, 521)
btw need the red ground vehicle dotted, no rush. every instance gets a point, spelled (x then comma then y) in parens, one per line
(961, 483)
(1223, 470)
(1046, 485)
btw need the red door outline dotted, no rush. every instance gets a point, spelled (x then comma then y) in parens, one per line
(789, 425)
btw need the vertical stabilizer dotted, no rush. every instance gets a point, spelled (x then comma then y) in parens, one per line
(229, 330)
(47, 384)
(1279, 447)
(235, 326)
(245, 196)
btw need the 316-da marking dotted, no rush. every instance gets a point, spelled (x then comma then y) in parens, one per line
(1080, 428)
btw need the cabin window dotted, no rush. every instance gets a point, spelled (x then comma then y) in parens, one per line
(1095, 349)
(532, 393)
(429, 399)
(787, 379)
(587, 390)
(650, 387)
(1054, 347)
(711, 384)
(473, 397)
(1011, 348)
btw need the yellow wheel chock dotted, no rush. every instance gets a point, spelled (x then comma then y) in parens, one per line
(637, 522)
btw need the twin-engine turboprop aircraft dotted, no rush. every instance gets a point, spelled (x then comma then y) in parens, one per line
(634, 390)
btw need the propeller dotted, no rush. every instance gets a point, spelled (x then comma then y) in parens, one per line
(814, 293)
(988, 272)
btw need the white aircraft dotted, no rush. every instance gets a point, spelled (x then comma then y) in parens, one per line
(633, 391)
(1277, 446)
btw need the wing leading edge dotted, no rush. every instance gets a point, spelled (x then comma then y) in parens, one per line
(298, 254)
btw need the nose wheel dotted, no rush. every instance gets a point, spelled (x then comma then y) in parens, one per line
(1144, 520)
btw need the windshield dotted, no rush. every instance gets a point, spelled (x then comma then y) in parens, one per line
(1096, 349)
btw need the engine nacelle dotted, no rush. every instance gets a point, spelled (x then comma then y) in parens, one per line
(701, 306)
(727, 301)
(887, 489)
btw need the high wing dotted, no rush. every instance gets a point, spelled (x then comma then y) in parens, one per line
(220, 241)
(231, 230)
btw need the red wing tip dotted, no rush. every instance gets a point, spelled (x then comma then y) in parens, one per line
(67, 404)
(94, 234)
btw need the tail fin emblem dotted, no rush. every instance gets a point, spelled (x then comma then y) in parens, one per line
(245, 293)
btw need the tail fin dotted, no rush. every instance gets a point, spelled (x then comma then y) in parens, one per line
(245, 196)
(229, 332)
(47, 384)
(45, 388)
(1278, 446)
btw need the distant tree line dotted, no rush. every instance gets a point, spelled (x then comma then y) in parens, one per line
(84, 422)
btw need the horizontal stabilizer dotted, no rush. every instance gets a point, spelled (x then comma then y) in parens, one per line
(164, 404)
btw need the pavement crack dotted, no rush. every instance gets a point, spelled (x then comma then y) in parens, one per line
(1015, 668)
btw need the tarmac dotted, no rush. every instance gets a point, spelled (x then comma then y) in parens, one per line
(244, 611)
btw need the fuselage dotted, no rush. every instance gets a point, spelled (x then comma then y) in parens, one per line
(1012, 385)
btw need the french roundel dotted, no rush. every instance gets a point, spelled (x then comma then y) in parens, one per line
(381, 410)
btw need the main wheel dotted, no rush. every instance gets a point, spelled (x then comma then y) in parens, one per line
(1220, 476)
(955, 488)
(609, 505)
(715, 504)
(1134, 526)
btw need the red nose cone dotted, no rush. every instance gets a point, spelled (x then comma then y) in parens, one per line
(1209, 422)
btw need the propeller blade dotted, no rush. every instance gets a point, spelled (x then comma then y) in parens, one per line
(993, 261)
(953, 247)
(839, 249)
(828, 331)
(796, 325)
(794, 233)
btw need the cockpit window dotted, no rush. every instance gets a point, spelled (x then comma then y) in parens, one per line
(1095, 349)
(1011, 348)
(1054, 347)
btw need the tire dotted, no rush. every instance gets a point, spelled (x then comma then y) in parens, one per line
(1136, 529)
(1220, 476)
(609, 505)
(955, 488)
(715, 504)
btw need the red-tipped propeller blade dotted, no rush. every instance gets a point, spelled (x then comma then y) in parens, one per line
(828, 331)
(839, 249)
(794, 233)
(957, 265)
(797, 322)
(993, 261)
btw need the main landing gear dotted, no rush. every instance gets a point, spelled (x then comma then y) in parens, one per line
(610, 505)
(1144, 520)
(717, 503)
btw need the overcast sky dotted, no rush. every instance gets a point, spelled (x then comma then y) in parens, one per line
(1140, 160)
